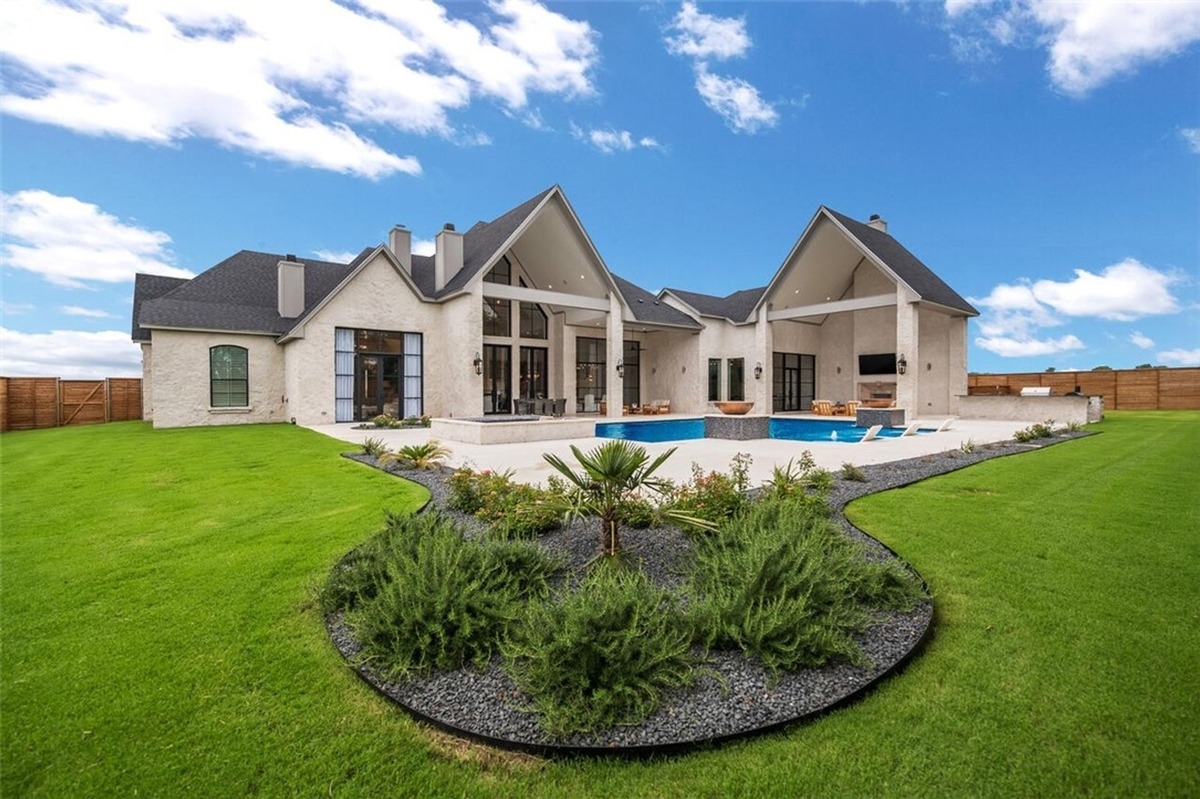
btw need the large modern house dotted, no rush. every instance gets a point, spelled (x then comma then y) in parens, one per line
(524, 307)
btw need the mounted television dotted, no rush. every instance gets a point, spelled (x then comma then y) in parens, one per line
(878, 364)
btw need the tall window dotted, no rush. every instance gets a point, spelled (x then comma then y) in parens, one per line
(714, 379)
(533, 321)
(793, 381)
(591, 373)
(377, 371)
(737, 378)
(497, 314)
(229, 377)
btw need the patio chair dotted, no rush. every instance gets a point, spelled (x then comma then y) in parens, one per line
(558, 407)
(945, 425)
(852, 407)
(822, 407)
(660, 406)
(872, 431)
(911, 430)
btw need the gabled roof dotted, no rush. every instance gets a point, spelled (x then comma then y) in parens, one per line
(649, 309)
(240, 293)
(149, 287)
(737, 307)
(919, 277)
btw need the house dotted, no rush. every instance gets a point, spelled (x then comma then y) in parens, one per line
(525, 307)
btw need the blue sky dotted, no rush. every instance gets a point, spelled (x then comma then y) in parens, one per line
(1043, 158)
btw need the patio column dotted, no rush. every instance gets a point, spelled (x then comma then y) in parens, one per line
(616, 347)
(764, 344)
(907, 347)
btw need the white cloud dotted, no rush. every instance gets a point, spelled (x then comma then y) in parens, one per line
(1139, 340)
(69, 353)
(1021, 347)
(611, 141)
(1088, 42)
(1180, 357)
(704, 36)
(335, 257)
(1124, 291)
(424, 246)
(1192, 137)
(287, 81)
(68, 241)
(14, 308)
(90, 313)
(735, 100)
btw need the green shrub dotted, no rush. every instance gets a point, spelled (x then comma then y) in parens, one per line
(374, 447)
(784, 585)
(1035, 431)
(428, 455)
(852, 472)
(602, 655)
(513, 510)
(788, 480)
(386, 421)
(713, 496)
(968, 446)
(444, 602)
(819, 481)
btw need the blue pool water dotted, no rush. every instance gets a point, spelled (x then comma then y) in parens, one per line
(843, 432)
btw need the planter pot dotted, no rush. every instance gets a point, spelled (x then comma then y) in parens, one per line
(734, 408)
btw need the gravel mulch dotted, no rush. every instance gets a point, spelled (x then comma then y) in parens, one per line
(735, 696)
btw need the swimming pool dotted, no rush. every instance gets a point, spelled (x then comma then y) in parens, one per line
(836, 431)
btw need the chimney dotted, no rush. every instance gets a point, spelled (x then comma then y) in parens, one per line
(448, 259)
(291, 287)
(400, 243)
(877, 222)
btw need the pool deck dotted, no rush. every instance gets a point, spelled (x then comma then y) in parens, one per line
(525, 458)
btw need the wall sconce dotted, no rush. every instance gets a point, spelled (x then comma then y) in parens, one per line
(758, 371)
(478, 364)
(901, 365)
(621, 368)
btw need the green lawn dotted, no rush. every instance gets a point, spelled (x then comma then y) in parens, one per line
(159, 637)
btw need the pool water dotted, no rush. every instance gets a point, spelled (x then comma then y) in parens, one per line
(843, 432)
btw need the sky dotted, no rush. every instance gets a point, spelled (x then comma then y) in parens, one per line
(1042, 157)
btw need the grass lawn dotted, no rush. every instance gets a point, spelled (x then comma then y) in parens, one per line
(159, 637)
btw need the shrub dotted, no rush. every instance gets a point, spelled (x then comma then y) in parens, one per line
(514, 510)
(374, 447)
(852, 472)
(784, 585)
(713, 496)
(444, 602)
(968, 446)
(1035, 431)
(788, 480)
(602, 655)
(429, 455)
(819, 481)
(385, 421)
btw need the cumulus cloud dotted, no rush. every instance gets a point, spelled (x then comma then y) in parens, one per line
(70, 354)
(610, 141)
(287, 81)
(1015, 315)
(90, 313)
(1180, 357)
(1192, 137)
(1139, 340)
(704, 37)
(336, 256)
(68, 241)
(424, 246)
(1088, 42)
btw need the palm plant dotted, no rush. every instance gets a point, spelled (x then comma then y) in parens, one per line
(612, 474)
(429, 455)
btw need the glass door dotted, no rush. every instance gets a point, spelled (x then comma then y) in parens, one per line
(497, 388)
(535, 382)
(793, 381)
(376, 386)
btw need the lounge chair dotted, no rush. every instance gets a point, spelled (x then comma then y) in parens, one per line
(822, 407)
(659, 406)
(945, 425)
(911, 430)
(872, 431)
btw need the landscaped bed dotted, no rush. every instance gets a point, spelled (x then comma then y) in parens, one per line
(734, 694)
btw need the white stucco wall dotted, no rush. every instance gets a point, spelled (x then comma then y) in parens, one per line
(722, 340)
(180, 395)
(147, 381)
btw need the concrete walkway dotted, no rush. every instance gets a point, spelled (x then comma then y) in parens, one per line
(525, 459)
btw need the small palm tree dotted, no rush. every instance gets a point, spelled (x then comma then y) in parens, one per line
(429, 455)
(612, 472)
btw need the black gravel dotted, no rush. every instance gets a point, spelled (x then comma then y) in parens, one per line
(735, 696)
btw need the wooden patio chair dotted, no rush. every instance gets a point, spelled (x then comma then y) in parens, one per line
(822, 407)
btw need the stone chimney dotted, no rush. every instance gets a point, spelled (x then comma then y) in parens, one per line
(291, 287)
(400, 243)
(877, 222)
(448, 259)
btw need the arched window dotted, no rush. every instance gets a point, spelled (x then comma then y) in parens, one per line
(229, 377)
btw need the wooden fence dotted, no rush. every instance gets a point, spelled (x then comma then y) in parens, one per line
(1123, 389)
(28, 403)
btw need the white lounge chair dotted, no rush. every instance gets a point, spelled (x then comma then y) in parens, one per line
(945, 425)
(911, 430)
(872, 431)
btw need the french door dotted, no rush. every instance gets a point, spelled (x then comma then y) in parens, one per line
(497, 378)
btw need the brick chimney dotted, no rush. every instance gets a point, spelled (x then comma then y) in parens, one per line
(291, 287)
(448, 259)
(877, 222)
(400, 243)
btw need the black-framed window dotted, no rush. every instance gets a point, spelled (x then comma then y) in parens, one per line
(591, 373)
(500, 273)
(714, 379)
(737, 378)
(793, 381)
(229, 376)
(533, 321)
(497, 317)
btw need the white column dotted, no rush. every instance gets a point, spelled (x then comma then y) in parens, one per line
(764, 344)
(956, 362)
(906, 345)
(616, 338)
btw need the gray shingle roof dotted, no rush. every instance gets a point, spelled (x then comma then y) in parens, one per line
(736, 307)
(240, 293)
(907, 266)
(149, 287)
(650, 309)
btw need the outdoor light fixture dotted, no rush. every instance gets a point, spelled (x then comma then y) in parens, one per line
(901, 365)
(758, 371)
(478, 364)
(621, 368)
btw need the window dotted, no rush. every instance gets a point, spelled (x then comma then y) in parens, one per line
(229, 379)
(714, 379)
(533, 321)
(793, 381)
(497, 314)
(591, 378)
(737, 379)
(377, 371)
